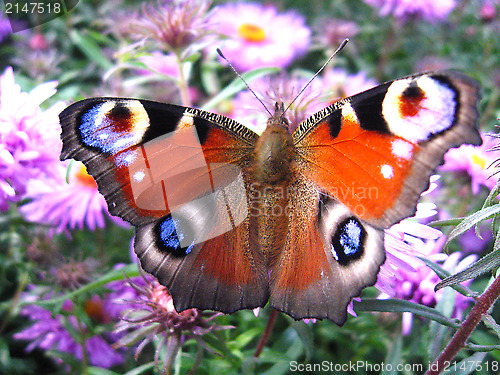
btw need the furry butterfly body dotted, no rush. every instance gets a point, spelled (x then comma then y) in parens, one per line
(229, 220)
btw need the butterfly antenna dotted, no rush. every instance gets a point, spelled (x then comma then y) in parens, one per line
(342, 45)
(245, 82)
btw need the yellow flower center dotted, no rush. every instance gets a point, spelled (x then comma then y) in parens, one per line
(252, 33)
(83, 178)
(476, 159)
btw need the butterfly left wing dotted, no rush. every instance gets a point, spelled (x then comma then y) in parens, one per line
(180, 176)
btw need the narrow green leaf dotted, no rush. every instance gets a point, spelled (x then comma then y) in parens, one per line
(437, 332)
(398, 305)
(471, 220)
(90, 49)
(245, 337)
(491, 324)
(100, 371)
(141, 369)
(482, 348)
(447, 223)
(493, 193)
(394, 357)
(480, 267)
(130, 270)
(306, 335)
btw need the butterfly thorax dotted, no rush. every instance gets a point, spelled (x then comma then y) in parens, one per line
(273, 152)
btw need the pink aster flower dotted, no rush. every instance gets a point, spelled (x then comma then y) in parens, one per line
(166, 64)
(429, 10)
(258, 36)
(246, 109)
(473, 160)
(67, 205)
(48, 332)
(324, 90)
(338, 84)
(154, 319)
(29, 137)
(180, 25)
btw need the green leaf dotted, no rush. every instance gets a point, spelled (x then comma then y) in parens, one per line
(482, 348)
(100, 371)
(394, 357)
(480, 267)
(491, 324)
(141, 369)
(91, 49)
(130, 270)
(437, 332)
(493, 193)
(306, 335)
(471, 220)
(399, 305)
(237, 85)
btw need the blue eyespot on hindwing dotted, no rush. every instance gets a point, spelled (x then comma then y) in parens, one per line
(348, 241)
(169, 235)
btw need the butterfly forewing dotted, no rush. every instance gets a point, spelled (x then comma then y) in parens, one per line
(375, 151)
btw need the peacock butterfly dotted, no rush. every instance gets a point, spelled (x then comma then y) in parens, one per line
(229, 220)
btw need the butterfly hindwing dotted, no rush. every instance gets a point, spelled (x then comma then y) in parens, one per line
(328, 257)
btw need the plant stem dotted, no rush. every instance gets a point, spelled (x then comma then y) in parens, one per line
(267, 332)
(483, 303)
(183, 85)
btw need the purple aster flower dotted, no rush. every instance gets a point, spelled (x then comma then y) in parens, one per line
(332, 32)
(67, 205)
(333, 85)
(405, 276)
(29, 137)
(258, 36)
(49, 332)
(5, 29)
(473, 160)
(155, 318)
(405, 9)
